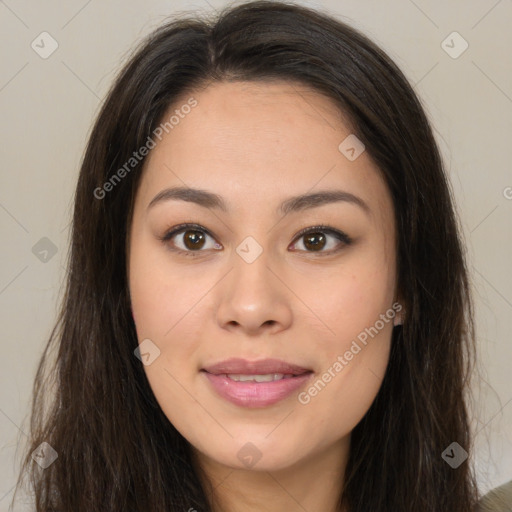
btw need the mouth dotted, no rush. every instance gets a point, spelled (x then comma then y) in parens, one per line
(266, 377)
(256, 383)
(265, 367)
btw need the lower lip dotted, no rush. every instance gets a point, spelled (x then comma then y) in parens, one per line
(256, 394)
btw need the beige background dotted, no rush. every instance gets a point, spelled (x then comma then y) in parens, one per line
(48, 106)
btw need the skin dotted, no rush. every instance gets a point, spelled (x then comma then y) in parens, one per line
(256, 145)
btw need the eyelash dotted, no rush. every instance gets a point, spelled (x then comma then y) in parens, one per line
(340, 235)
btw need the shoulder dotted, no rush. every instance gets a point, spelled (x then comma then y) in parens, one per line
(497, 500)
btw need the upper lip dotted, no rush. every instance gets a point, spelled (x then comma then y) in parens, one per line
(262, 367)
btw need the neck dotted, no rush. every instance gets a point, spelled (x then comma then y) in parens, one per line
(312, 483)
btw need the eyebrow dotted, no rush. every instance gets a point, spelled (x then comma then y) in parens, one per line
(293, 204)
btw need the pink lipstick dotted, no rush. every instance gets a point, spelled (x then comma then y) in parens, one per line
(256, 383)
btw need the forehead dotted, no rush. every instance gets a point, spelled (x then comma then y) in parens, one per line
(257, 143)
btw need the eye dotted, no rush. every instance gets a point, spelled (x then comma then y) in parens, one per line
(315, 238)
(192, 241)
(194, 236)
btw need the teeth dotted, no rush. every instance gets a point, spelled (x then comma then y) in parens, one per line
(269, 377)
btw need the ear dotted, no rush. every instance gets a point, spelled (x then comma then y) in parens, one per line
(399, 309)
(399, 317)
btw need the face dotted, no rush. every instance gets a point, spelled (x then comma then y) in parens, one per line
(241, 281)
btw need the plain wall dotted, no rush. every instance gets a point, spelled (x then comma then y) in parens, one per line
(48, 107)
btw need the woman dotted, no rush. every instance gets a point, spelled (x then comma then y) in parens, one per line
(267, 305)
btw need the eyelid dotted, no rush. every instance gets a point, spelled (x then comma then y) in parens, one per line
(171, 232)
(324, 228)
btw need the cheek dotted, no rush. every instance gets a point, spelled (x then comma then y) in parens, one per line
(159, 294)
(350, 298)
(166, 301)
(353, 353)
(354, 304)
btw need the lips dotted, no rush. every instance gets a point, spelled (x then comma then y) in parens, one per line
(256, 383)
(266, 366)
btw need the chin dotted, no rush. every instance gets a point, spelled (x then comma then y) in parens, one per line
(258, 453)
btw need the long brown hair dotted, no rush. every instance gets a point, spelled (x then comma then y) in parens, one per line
(92, 403)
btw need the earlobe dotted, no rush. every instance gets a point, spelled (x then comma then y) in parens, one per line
(399, 317)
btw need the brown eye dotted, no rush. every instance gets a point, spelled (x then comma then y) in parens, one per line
(193, 239)
(314, 241)
(317, 238)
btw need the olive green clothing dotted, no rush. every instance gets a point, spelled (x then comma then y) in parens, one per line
(497, 500)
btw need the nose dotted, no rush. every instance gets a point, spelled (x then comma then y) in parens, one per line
(254, 299)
